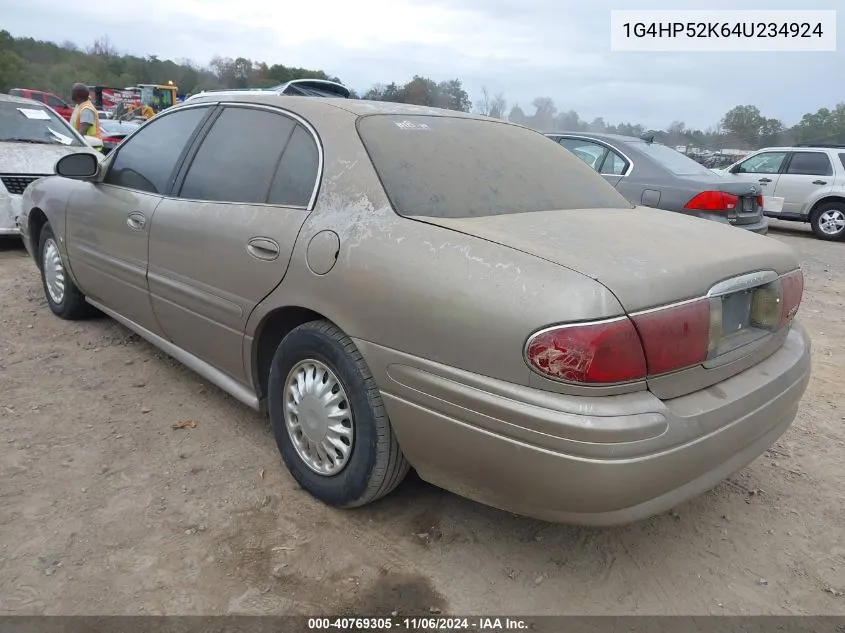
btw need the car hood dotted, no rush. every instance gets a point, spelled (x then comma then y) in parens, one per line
(646, 257)
(31, 158)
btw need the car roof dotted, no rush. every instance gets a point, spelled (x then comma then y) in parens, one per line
(357, 107)
(14, 99)
(600, 136)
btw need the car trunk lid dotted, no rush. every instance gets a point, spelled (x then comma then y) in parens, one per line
(649, 258)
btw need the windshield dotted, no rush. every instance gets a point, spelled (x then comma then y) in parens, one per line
(33, 123)
(452, 167)
(671, 159)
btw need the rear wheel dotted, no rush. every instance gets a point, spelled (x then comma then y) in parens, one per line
(828, 221)
(329, 420)
(63, 297)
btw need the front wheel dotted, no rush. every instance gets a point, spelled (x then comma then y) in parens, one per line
(63, 297)
(329, 420)
(828, 221)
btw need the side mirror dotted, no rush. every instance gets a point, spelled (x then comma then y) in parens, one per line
(93, 141)
(80, 166)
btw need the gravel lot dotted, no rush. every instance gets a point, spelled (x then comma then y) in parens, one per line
(107, 509)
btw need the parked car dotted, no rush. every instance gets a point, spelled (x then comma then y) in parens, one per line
(401, 285)
(48, 98)
(655, 175)
(803, 184)
(32, 138)
(114, 132)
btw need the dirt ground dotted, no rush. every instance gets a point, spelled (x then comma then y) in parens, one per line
(107, 509)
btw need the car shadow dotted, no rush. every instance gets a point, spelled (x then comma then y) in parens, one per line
(11, 243)
(795, 229)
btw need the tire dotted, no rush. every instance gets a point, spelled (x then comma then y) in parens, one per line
(825, 218)
(70, 303)
(374, 464)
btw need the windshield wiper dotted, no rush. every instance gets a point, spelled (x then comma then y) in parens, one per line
(29, 140)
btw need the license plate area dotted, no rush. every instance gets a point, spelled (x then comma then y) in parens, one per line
(743, 314)
(748, 207)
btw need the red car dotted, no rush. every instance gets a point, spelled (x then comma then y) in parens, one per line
(59, 105)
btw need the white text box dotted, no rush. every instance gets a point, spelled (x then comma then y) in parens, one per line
(723, 31)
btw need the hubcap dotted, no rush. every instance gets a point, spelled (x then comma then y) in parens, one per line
(318, 417)
(832, 222)
(54, 271)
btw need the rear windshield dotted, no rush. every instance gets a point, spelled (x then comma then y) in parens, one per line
(671, 159)
(449, 167)
(32, 122)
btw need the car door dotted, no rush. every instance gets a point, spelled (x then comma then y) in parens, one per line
(763, 168)
(108, 222)
(805, 174)
(224, 240)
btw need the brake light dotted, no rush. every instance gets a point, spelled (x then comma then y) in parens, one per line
(713, 201)
(112, 139)
(600, 352)
(760, 202)
(792, 291)
(677, 336)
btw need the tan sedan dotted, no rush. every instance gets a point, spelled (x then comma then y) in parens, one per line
(402, 285)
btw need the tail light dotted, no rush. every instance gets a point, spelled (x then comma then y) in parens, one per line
(601, 352)
(677, 336)
(113, 139)
(659, 341)
(760, 202)
(792, 291)
(713, 201)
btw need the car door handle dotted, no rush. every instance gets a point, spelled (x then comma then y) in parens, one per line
(263, 248)
(765, 180)
(820, 182)
(136, 221)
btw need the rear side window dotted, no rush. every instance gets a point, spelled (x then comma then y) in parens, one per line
(296, 176)
(55, 102)
(591, 153)
(147, 161)
(450, 167)
(810, 164)
(239, 157)
(842, 160)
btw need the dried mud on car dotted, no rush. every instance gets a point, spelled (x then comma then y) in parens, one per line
(129, 486)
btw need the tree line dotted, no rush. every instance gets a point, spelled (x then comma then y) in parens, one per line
(54, 67)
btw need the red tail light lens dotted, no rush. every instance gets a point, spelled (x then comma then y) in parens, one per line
(601, 352)
(112, 139)
(675, 337)
(713, 201)
(760, 201)
(792, 291)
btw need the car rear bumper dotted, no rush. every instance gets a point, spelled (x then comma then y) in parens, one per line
(586, 460)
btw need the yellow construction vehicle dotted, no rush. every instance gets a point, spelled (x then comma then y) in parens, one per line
(152, 99)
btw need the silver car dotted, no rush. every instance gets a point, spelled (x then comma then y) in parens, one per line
(655, 175)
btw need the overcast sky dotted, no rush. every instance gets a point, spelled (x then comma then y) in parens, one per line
(523, 48)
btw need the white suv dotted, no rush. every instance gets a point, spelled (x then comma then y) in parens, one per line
(802, 183)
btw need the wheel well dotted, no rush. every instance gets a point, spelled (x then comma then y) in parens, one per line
(37, 220)
(272, 330)
(824, 200)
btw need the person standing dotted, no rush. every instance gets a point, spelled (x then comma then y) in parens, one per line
(85, 118)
